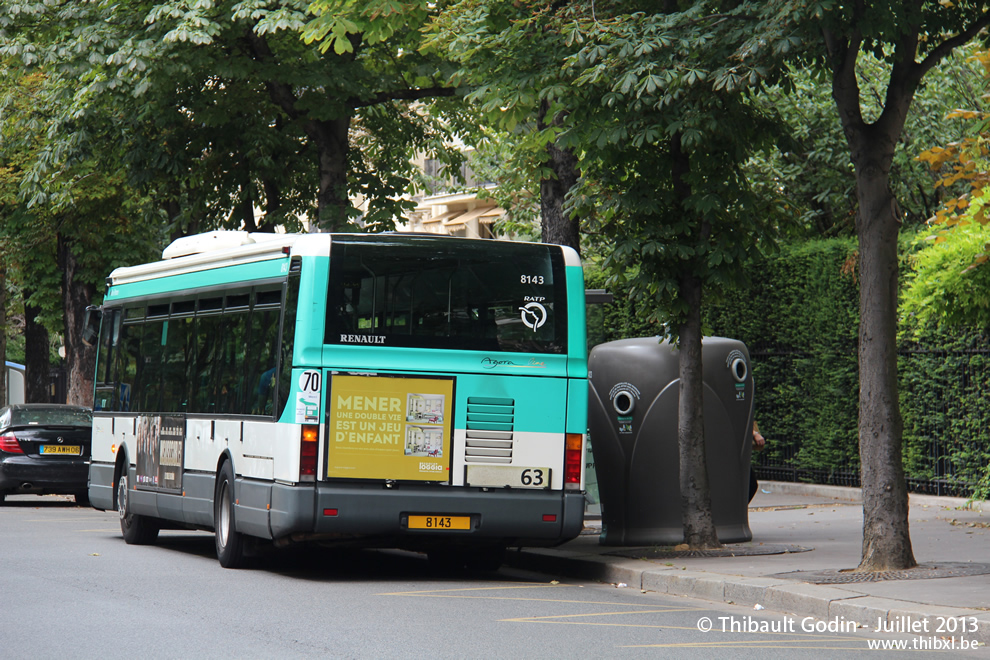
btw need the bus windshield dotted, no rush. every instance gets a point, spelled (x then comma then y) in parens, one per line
(446, 293)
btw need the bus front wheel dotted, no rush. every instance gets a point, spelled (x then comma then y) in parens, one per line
(230, 542)
(136, 530)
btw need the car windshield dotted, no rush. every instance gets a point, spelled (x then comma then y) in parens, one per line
(54, 416)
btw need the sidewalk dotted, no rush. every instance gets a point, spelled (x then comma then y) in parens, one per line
(817, 532)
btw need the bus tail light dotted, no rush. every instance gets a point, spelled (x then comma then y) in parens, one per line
(307, 453)
(573, 457)
(9, 444)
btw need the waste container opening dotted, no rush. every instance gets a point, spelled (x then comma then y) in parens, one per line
(623, 403)
(740, 370)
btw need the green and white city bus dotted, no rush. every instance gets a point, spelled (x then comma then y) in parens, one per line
(390, 390)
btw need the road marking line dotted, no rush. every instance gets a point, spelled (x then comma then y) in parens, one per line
(537, 600)
(444, 591)
(460, 593)
(555, 618)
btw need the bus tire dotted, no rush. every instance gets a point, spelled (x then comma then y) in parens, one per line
(229, 542)
(136, 530)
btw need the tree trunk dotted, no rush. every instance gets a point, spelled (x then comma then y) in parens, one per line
(696, 492)
(273, 203)
(37, 365)
(556, 224)
(331, 138)
(696, 500)
(80, 359)
(557, 227)
(333, 206)
(886, 537)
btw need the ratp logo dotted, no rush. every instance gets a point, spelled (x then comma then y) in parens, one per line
(534, 315)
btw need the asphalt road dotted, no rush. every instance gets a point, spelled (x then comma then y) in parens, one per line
(71, 588)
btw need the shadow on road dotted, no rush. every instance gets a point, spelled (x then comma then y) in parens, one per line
(316, 563)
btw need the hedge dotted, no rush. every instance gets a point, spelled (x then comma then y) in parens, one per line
(799, 319)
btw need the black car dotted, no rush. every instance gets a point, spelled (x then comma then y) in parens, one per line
(45, 449)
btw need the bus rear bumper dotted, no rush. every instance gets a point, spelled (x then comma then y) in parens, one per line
(355, 512)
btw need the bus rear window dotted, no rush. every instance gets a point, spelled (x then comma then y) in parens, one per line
(422, 292)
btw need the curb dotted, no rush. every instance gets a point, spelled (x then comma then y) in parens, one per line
(824, 603)
(820, 602)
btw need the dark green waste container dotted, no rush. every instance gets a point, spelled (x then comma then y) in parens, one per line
(632, 419)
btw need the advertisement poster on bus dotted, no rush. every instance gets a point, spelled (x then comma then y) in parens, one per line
(381, 427)
(159, 452)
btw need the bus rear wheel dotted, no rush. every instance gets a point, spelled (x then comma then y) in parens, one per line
(136, 530)
(230, 542)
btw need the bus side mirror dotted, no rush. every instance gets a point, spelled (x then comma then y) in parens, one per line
(91, 325)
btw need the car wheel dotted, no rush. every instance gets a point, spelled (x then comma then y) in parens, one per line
(2, 497)
(82, 498)
(136, 530)
(230, 542)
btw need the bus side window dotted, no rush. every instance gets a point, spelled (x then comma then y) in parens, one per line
(179, 345)
(287, 341)
(232, 355)
(262, 353)
(148, 379)
(127, 357)
(204, 377)
(105, 372)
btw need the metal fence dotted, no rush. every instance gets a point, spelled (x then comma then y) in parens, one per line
(813, 435)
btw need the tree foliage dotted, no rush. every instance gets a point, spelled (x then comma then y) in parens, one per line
(810, 169)
(964, 164)
(626, 79)
(950, 281)
(509, 58)
(944, 287)
(190, 115)
(664, 187)
(225, 109)
(58, 249)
